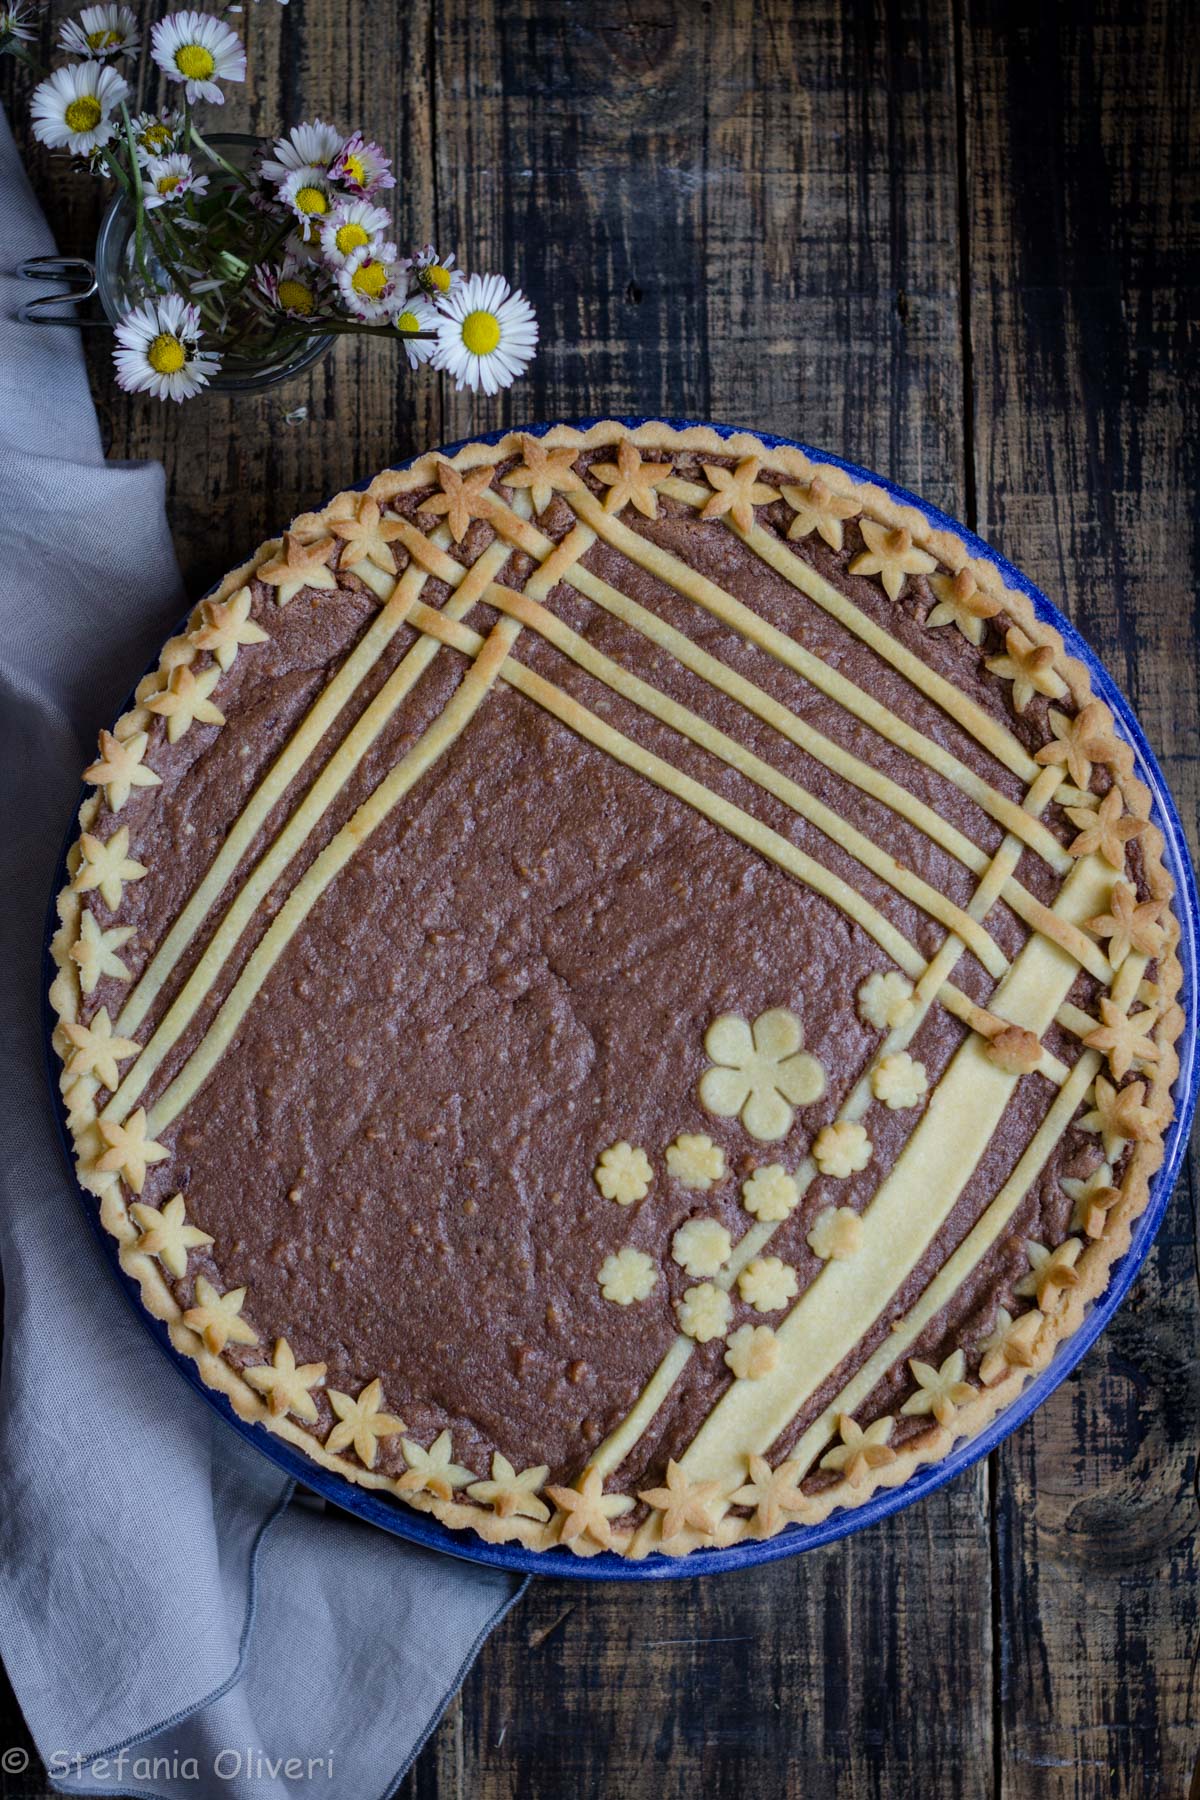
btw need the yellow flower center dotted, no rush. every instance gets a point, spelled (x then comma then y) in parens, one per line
(155, 137)
(408, 321)
(370, 280)
(295, 296)
(312, 200)
(194, 62)
(356, 170)
(437, 277)
(166, 354)
(350, 237)
(103, 40)
(84, 114)
(481, 333)
(166, 184)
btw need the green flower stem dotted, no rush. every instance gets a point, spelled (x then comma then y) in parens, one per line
(139, 210)
(215, 156)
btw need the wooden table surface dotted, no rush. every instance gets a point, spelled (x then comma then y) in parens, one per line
(959, 243)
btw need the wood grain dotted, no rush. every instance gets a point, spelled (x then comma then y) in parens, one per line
(956, 241)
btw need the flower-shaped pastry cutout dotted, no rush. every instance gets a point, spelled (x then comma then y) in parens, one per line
(836, 1234)
(770, 1193)
(630, 481)
(367, 534)
(961, 602)
(1094, 1198)
(299, 565)
(186, 701)
(94, 953)
(105, 864)
(767, 1284)
(627, 1275)
(762, 1072)
(1106, 829)
(773, 1495)
(738, 492)
(545, 472)
(286, 1388)
(885, 1000)
(511, 1495)
(432, 1471)
(890, 554)
(1050, 1271)
(166, 1234)
(217, 1319)
(96, 1049)
(753, 1352)
(227, 627)
(841, 1149)
(588, 1511)
(119, 768)
(1011, 1345)
(701, 1246)
(1030, 668)
(860, 1451)
(463, 498)
(899, 1082)
(129, 1151)
(362, 1423)
(1129, 924)
(683, 1504)
(1124, 1038)
(623, 1173)
(704, 1312)
(939, 1391)
(818, 508)
(1120, 1115)
(1015, 1050)
(695, 1161)
(1081, 741)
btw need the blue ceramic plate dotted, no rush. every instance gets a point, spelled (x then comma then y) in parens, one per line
(393, 1515)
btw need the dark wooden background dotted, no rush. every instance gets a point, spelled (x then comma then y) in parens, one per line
(959, 242)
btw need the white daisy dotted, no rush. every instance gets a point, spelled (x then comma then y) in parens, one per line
(200, 51)
(487, 335)
(355, 225)
(14, 23)
(370, 286)
(306, 146)
(362, 167)
(169, 178)
(436, 274)
(309, 195)
(157, 350)
(100, 31)
(417, 315)
(71, 109)
(298, 286)
(156, 134)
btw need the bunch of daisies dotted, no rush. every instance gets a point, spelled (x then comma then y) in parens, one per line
(240, 263)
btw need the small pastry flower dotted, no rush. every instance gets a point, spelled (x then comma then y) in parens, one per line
(683, 1503)
(512, 1495)
(166, 1234)
(1094, 1199)
(588, 1511)
(1121, 1116)
(818, 508)
(100, 31)
(432, 1471)
(361, 1423)
(939, 1391)
(72, 109)
(217, 1317)
(899, 1082)
(545, 472)
(95, 953)
(1124, 1038)
(298, 565)
(105, 864)
(772, 1495)
(762, 1072)
(416, 315)
(96, 1049)
(227, 627)
(737, 493)
(885, 1000)
(623, 1173)
(463, 498)
(185, 701)
(704, 1312)
(753, 1352)
(1050, 1271)
(1129, 925)
(1080, 742)
(841, 1149)
(767, 1284)
(487, 336)
(120, 768)
(890, 554)
(630, 481)
(199, 50)
(158, 350)
(310, 145)
(1106, 829)
(695, 1161)
(701, 1247)
(627, 1275)
(1011, 1345)
(836, 1234)
(860, 1451)
(1015, 1050)
(1030, 668)
(770, 1193)
(961, 602)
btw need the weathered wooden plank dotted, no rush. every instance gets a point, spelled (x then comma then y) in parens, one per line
(1084, 257)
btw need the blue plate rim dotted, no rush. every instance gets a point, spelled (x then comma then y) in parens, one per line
(392, 1515)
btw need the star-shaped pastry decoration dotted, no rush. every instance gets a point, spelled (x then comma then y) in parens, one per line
(185, 702)
(130, 1152)
(961, 602)
(683, 1504)
(1050, 1273)
(463, 498)
(630, 481)
(512, 1495)
(106, 865)
(285, 1387)
(1124, 1038)
(1094, 1199)
(299, 565)
(737, 493)
(774, 1494)
(545, 472)
(167, 1234)
(587, 1510)
(1012, 1345)
(432, 1471)
(1080, 742)
(1015, 1050)
(217, 1317)
(1030, 668)
(860, 1451)
(94, 952)
(1120, 1116)
(890, 554)
(97, 1049)
(120, 768)
(939, 1391)
(818, 508)
(227, 627)
(367, 535)
(1129, 924)
(1106, 829)
(362, 1422)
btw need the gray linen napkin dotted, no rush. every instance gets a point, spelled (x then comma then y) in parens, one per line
(173, 1620)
